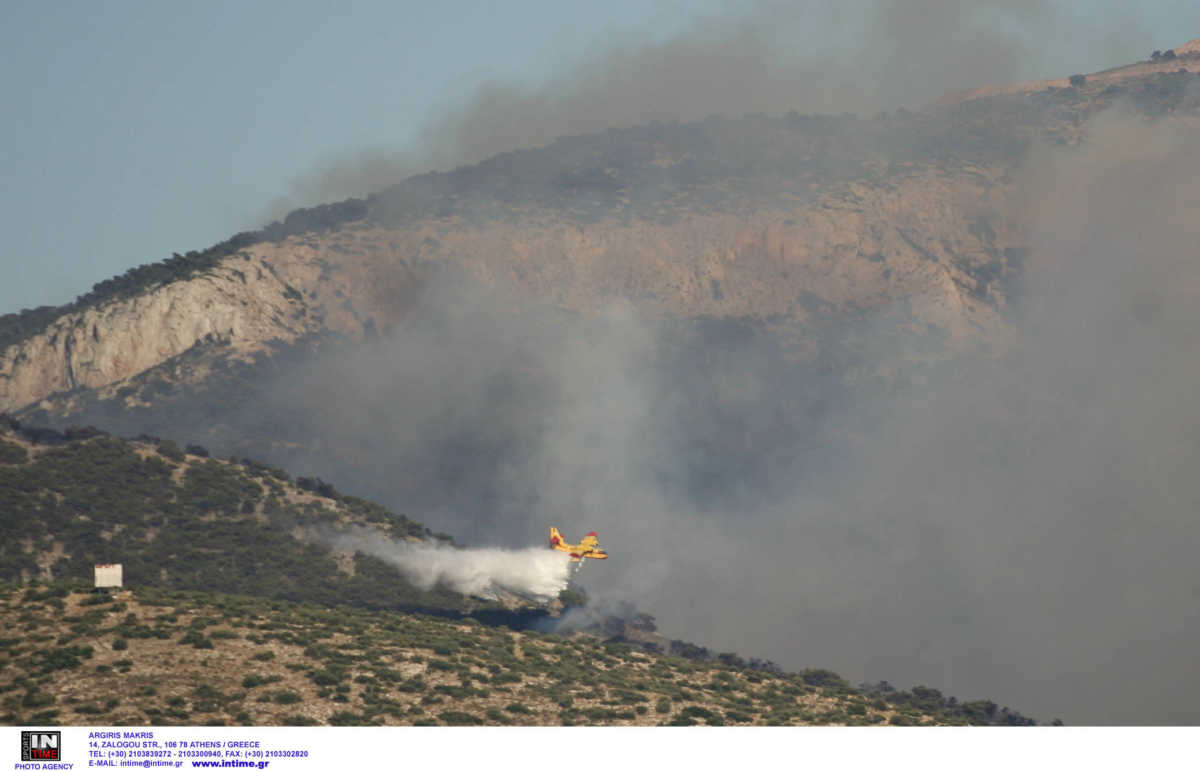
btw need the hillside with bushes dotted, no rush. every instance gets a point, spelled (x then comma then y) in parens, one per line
(259, 624)
(176, 518)
(74, 657)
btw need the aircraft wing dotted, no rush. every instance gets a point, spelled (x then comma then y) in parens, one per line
(590, 540)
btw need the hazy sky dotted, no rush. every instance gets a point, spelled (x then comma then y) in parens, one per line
(134, 129)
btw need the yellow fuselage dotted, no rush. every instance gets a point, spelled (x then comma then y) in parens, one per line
(585, 548)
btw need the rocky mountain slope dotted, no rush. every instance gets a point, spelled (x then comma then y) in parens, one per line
(858, 248)
(788, 218)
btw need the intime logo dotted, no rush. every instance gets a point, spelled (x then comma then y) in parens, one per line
(41, 745)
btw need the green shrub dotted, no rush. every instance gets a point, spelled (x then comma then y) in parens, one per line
(327, 676)
(195, 638)
(345, 718)
(599, 714)
(506, 677)
(299, 720)
(68, 657)
(823, 677)
(709, 716)
(455, 717)
(11, 453)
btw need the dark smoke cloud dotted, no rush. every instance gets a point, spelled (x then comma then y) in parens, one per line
(1044, 502)
(767, 57)
(1019, 526)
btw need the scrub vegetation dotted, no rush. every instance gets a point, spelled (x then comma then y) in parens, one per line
(177, 519)
(71, 656)
(234, 618)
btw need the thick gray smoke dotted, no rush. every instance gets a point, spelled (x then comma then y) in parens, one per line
(1019, 526)
(768, 57)
(534, 573)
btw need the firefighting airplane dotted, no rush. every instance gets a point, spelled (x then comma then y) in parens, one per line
(585, 548)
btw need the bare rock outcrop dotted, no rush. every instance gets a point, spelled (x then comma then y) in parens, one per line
(242, 302)
(913, 239)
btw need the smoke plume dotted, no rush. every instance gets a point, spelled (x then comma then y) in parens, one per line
(768, 57)
(1018, 524)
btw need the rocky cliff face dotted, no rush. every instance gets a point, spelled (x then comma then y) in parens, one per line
(246, 301)
(792, 219)
(860, 248)
(930, 240)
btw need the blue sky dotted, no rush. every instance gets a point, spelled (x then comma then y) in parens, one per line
(134, 129)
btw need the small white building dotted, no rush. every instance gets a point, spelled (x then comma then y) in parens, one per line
(108, 576)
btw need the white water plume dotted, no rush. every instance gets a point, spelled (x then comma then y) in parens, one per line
(538, 573)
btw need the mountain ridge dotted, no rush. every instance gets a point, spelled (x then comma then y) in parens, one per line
(1182, 58)
(354, 281)
(733, 217)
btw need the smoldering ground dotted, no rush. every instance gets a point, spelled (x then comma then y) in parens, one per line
(1017, 525)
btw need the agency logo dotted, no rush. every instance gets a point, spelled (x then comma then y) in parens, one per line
(41, 745)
